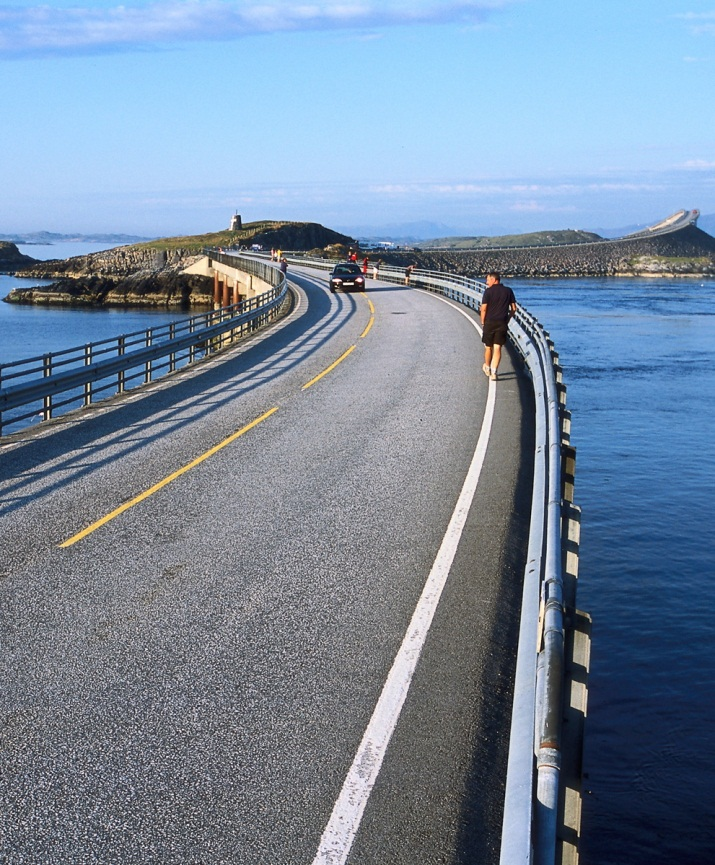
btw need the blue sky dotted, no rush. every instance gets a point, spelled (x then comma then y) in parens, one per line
(487, 117)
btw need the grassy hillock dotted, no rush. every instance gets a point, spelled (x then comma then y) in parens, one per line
(197, 242)
(535, 238)
(279, 234)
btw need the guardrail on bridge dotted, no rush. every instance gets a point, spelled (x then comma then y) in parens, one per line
(29, 388)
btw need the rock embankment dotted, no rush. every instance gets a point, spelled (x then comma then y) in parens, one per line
(689, 251)
(167, 289)
(151, 274)
(118, 262)
(124, 276)
(11, 258)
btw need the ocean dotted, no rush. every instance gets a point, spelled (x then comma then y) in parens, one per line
(639, 363)
(26, 331)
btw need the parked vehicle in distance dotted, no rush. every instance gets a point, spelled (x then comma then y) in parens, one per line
(346, 276)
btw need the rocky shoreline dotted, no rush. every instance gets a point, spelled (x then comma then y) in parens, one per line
(147, 274)
(152, 276)
(688, 252)
(121, 277)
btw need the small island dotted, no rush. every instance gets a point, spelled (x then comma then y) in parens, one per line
(154, 273)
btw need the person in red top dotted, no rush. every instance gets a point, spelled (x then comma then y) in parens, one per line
(498, 306)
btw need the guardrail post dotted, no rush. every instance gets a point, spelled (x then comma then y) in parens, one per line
(172, 356)
(147, 366)
(120, 375)
(47, 399)
(88, 384)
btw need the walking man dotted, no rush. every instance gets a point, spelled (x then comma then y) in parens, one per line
(498, 306)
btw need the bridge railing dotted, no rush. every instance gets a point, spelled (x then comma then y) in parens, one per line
(39, 388)
(534, 800)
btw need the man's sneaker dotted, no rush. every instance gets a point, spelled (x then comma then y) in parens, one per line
(485, 369)
(492, 376)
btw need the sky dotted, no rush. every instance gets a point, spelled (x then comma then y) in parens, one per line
(478, 116)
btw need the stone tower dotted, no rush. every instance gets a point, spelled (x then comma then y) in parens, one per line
(236, 222)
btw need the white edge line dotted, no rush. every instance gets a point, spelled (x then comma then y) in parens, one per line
(344, 822)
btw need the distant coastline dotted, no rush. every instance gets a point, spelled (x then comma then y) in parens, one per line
(152, 274)
(48, 238)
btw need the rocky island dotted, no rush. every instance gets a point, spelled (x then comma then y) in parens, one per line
(153, 274)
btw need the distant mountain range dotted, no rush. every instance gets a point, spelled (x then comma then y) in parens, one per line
(50, 237)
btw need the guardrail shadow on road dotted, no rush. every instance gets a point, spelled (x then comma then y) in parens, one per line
(72, 445)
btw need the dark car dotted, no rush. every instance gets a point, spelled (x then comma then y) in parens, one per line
(347, 276)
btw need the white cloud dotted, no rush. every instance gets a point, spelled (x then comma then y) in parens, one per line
(699, 22)
(699, 165)
(43, 30)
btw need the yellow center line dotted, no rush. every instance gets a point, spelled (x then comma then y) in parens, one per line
(329, 369)
(372, 317)
(167, 480)
(172, 477)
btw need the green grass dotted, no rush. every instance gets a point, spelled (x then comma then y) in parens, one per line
(196, 242)
(536, 238)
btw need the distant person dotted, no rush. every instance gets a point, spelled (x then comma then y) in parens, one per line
(497, 308)
(376, 269)
(284, 265)
(408, 273)
(365, 263)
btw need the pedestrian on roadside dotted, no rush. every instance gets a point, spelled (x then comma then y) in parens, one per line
(284, 265)
(408, 273)
(365, 263)
(497, 308)
(375, 269)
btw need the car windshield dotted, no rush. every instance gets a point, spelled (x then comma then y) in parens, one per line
(346, 269)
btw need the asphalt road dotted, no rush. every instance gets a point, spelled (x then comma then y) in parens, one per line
(190, 681)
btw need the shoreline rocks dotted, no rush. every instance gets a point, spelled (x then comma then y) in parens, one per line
(688, 251)
(11, 258)
(143, 289)
(153, 276)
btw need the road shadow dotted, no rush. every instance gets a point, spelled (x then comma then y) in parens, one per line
(76, 445)
(481, 824)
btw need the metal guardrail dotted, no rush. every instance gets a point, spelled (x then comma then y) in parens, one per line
(102, 369)
(533, 802)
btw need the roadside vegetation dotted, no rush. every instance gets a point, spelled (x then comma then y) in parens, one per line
(197, 242)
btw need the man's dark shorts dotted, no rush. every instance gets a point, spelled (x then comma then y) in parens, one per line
(494, 333)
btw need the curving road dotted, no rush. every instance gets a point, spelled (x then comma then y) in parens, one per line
(204, 588)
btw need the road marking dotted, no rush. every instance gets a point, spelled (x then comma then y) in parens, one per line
(330, 368)
(372, 317)
(344, 822)
(346, 353)
(167, 480)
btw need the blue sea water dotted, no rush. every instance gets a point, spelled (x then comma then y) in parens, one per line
(27, 331)
(639, 363)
